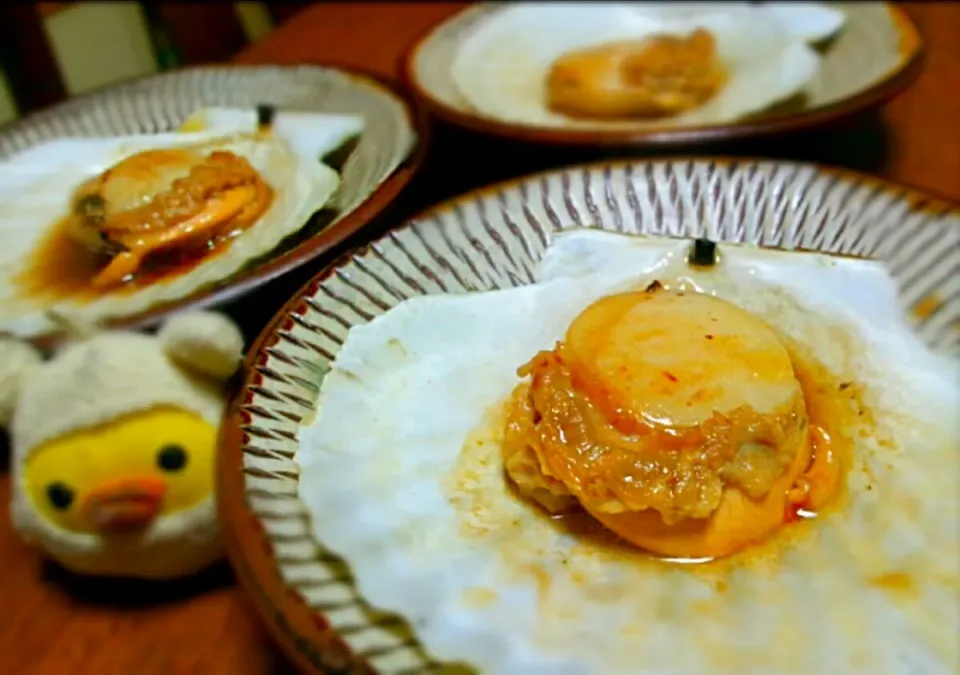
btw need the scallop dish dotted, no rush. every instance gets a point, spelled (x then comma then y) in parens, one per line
(105, 228)
(563, 64)
(662, 456)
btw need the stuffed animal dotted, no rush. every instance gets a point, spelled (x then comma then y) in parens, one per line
(114, 441)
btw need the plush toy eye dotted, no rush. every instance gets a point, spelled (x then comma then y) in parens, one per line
(172, 457)
(60, 495)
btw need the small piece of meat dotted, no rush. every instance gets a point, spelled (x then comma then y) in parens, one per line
(185, 198)
(657, 77)
(522, 462)
(559, 443)
(164, 199)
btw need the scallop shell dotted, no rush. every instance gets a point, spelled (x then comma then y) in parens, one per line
(501, 68)
(810, 21)
(35, 188)
(485, 580)
(313, 136)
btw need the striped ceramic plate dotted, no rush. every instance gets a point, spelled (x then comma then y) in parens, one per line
(493, 238)
(877, 55)
(374, 172)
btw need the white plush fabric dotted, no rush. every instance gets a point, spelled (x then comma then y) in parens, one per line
(17, 359)
(207, 343)
(97, 380)
(100, 378)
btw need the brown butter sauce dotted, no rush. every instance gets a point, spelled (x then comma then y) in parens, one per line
(61, 268)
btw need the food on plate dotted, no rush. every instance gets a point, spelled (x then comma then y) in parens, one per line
(660, 76)
(108, 227)
(563, 64)
(675, 419)
(813, 473)
(162, 201)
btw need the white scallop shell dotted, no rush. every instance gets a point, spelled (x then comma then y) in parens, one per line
(35, 187)
(311, 135)
(501, 68)
(810, 21)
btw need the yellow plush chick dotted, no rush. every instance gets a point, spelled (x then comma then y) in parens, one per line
(114, 443)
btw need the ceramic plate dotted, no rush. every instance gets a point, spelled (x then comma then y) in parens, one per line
(493, 238)
(376, 169)
(876, 55)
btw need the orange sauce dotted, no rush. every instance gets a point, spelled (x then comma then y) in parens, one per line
(832, 408)
(927, 306)
(894, 582)
(61, 268)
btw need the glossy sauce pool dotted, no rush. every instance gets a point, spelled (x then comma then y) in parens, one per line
(61, 268)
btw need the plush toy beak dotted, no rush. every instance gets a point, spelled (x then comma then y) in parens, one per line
(125, 505)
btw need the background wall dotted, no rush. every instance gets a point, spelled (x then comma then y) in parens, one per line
(8, 108)
(98, 43)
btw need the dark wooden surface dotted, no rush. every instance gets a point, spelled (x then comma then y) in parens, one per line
(55, 624)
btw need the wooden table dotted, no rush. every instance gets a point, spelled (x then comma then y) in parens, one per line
(53, 624)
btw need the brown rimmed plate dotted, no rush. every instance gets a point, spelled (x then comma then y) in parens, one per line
(877, 55)
(374, 170)
(493, 238)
